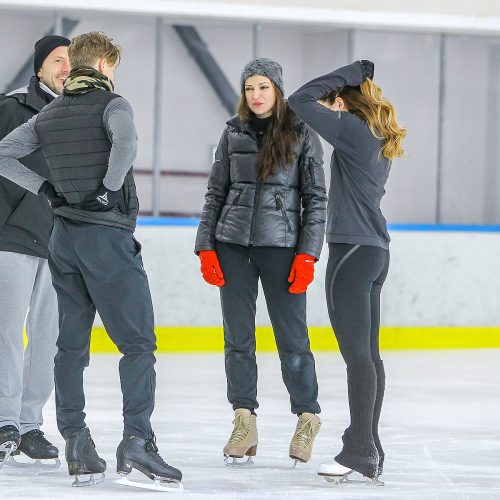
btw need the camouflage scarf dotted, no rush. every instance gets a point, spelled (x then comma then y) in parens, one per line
(85, 79)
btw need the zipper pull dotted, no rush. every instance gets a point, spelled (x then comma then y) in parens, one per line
(311, 171)
(237, 198)
(278, 201)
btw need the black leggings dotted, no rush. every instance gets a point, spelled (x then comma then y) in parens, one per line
(354, 278)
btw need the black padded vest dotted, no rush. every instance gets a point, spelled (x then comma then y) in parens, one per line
(77, 147)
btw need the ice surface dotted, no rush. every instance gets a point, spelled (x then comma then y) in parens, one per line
(440, 429)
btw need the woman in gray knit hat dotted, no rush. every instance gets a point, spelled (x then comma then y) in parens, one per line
(268, 166)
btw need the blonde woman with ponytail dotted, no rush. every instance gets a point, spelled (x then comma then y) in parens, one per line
(348, 110)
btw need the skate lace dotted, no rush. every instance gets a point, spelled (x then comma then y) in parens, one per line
(304, 434)
(240, 431)
(37, 437)
(7, 428)
(151, 445)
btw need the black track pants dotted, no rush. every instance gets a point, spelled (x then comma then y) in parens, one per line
(100, 267)
(242, 268)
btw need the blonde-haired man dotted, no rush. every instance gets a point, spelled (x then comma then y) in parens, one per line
(89, 139)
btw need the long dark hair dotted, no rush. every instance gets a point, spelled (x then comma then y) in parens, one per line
(277, 149)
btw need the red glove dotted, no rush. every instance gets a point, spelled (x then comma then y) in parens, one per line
(302, 273)
(210, 268)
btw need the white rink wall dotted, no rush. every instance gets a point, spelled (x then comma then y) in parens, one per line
(436, 278)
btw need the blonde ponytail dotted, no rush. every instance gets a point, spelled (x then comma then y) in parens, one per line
(380, 115)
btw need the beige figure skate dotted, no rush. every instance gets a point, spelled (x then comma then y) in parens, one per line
(303, 438)
(243, 440)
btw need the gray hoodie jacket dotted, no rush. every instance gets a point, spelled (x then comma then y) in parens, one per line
(358, 170)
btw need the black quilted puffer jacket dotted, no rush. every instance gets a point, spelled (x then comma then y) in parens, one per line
(288, 209)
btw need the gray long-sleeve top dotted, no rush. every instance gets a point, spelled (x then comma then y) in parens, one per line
(118, 121)
(358, 170)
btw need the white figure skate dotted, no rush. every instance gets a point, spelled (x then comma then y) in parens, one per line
(336, 473)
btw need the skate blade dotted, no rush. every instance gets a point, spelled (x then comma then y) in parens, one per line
(34, 465)
(8, 447)
(297, 461)
(374, 482)
(238, 461)
(92, 480)
(156, 485)
(337, 478)
(340, 479)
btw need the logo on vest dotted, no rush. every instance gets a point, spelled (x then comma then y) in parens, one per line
(103, 198)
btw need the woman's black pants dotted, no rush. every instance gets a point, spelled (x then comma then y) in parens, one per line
(242, 267)
(354, 278)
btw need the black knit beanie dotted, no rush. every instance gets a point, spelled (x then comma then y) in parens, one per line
(45, 46)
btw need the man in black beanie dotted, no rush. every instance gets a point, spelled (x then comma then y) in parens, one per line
(51, 63)
(26, 220)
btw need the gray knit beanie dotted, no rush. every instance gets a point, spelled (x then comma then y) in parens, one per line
(264, 67)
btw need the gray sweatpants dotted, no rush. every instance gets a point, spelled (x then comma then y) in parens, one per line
(27, 296)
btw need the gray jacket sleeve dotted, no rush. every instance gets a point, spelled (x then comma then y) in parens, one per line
(313, 194)
(218, 187)
(19, 143)
(118, 120)
(329, 124)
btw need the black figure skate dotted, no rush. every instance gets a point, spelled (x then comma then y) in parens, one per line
(142, 455)
(9, 441)
(42, 455)
(83, 461)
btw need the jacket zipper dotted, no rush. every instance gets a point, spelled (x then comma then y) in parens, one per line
(280, 206)
(233, 203)
(311, 171)
(254, 213)
(256, 195)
